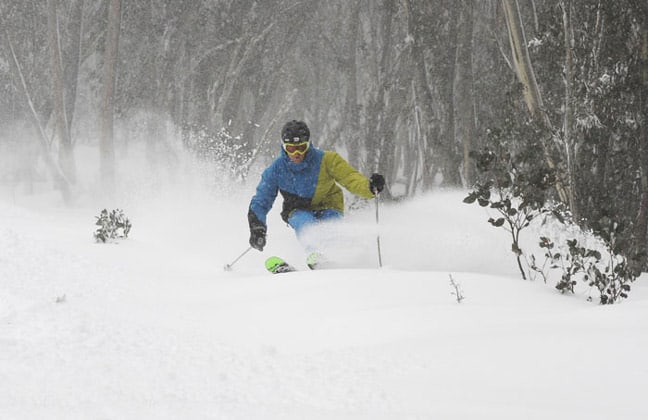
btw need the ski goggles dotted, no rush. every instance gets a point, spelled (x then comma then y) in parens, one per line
(296, 148)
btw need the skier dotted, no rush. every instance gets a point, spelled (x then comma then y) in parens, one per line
(307, 178)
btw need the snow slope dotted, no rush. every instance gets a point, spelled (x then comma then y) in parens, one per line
(154, 328)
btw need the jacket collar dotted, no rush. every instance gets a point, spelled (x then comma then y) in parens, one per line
(298, 167)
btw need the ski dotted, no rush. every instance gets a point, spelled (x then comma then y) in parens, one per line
(277, 265)
(316, 260)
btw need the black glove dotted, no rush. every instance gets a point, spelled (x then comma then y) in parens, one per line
(258, 237)
(257, 231)
(376, 183)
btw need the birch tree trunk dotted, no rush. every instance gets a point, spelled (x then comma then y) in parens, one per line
(521, 59)
(526, 76)
(569, 140)
(65, 150)
(106, 144)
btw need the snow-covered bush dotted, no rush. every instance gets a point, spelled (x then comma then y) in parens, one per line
(113, 225)
(588, 258)
(518, 186)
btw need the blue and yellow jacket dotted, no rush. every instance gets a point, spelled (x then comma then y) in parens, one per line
(310, 185)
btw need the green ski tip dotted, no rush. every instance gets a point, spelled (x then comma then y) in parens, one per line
(272, 263)
(277, 265)
(313, 260)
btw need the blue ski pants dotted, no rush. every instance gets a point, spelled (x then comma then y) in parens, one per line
(300, 219)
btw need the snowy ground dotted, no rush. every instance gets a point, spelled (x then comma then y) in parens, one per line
(154, 328)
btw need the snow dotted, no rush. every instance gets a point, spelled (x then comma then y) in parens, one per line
(152, 327)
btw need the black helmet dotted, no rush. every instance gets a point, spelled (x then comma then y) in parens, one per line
(295, 129)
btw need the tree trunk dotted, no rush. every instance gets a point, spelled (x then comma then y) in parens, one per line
(73, 63)
(351, 115)
(106, 145)
(642, 216)
(450, 161)
(464, 101)
(526, 76)
(429, 136)
(57, 175)
(569, 140)
(379, 136)
(522, 60)
(65, 151)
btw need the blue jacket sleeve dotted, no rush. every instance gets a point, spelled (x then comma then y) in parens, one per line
(266, 193)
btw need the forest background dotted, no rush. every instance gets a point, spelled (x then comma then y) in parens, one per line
(413, 89)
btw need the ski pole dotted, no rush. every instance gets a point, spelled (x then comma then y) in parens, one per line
(228, 267)
(378, 232)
